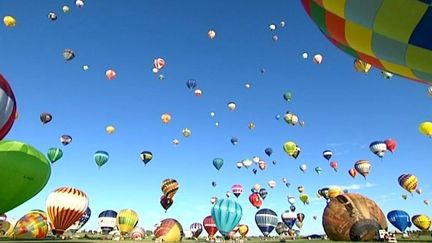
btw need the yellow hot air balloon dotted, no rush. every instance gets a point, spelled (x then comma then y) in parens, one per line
(110, 129)
(304, 198)
(127, 219)
(421, 221)
(243, 230)
(169, 187)
(9, 21)
(408, 182)
(426, 128)
(33, 225)
(211, 34)
(166, 118)
(169, 230)
(334, 191)
(290, 148)
(361, 66)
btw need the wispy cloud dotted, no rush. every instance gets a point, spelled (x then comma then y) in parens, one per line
(355, 186)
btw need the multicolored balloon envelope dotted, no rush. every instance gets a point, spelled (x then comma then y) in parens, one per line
(169, 230)
(31, 171)
(107, 221)
(33, 225)
(138, 233)
(196, 229)
(373, 32)
(127, 219)
(266, 220)
(81, 222)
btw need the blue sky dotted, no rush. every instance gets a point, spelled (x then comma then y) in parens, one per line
(343, 111)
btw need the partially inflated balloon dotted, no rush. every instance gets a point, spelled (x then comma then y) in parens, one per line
(65, 206)
(26, 167)
(33, 225)
(227, 214)
(169, 230)
(138, 233)
(127, 219)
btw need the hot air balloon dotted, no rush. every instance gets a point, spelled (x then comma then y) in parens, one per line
(110, 129)
(33, 225)
(45, 117)
(386, 75)
(159, 63)
(166, 118)
(237, 190)
(404, 196)
(8, 104)
(9, 21)
(281, 228)
(214, 183)
(138, 233)
(353, 217)
(399, 219)
(68, 54)
(186, 132)
(318, 58)
(291, 118)
(239, 165)
(211, 34)
(378, 148)
(266, 220)
(419, 191)
(272, 184)
(361, 66)
(110, 74)
(101, 157)
(318, 170)
(243, 230)
(289, 218)
(334, 165)
(65, 139)
(290, 148)
(107, 221)
(262, 165)
(334, 191)
(213, 200)
(291, 200)
(65, 9)
(169, 230)
(226, 214)
(54, 154)
(166, 202)
(65, 206)
(408, 182)
(363, 167)
(79, 3)
(304, 198)
(146, 156)
(430, 90)
(327, 154)
(404, 53)
(263, 193)
(426, 201)
(210, 226)
(29, 178)
(390, 144)
(191, 84)
(352, 172)
(247, 163)
(231, 106)
(305, 55)
(52, 16)
(255, 200)
(196, 229)
(127, 219)
(234, 141)
(217, 163)
(303, 168)
(251, 126)
(421, 221)
(169, 187)
(300, 189)
(426, 128)
(268, 151)
(324, 192)
(287, 96)
(81, 222)
(198, 92)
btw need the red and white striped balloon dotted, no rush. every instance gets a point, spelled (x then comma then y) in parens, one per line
(7, 107)
(65, 206)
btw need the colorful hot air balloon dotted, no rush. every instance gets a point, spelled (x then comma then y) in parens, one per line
(33, 225)
(352, 172)
(81, 222)
(217, 163)
(361, 66)
(266, 220)
(426, 128)
(226, 214)
(65, 139)
(324, 192)
(237, 190)
(146, 156)
(45, 117)
(390, 144)
(110, 129)
(9, 21)
(408, 182)
(255, 199)
(334, 165)
(327, 154)
(281, 228)
(399, 219)
(186, 132)
(318, 58)
(127, 219)
(65, 9)
(243, 229)
(210, 226)
(378, 148)
(374, 34)
(289, 218)
(363, 167)
(101, 157)
(169, 187)
(68, 54)
(107, 221)
(196, 229)
(421, 221)
(318, 170)
(9, 107)
(65, 206)
(287, 96)
(138, 233)
(26, 167)
(211, 34)
(110, 74)
(54, 154)
(159, 63)
(166, 202)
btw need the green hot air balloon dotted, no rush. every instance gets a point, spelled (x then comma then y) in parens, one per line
(287, 96)
(54, 154)
(24, 171)
(101, 157)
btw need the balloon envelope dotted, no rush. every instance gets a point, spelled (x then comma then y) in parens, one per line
(266, 220)
(127, 219)
(169, 230)
(226, 214)
(399, 219)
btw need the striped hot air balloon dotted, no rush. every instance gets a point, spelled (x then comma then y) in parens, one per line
(54, 154)
(127, 219)
(169, 230)
(266, 220)
(101, 157)
(327, 154)
(378, 148)
(210, 226)
(81, 222)
(8, 105)
(421, 221)
(169, 187)
(237, 190)
(363, 167)
(33, 225)
(65, 206)
(196, 229)
(408, 182)
(107, 221)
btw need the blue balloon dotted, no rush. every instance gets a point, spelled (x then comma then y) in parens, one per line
(218, 162)
(107, 221)
(266, 220)
(268, 151)
(227, 214)
(289, 218)
(191, 84)
(399, 219)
